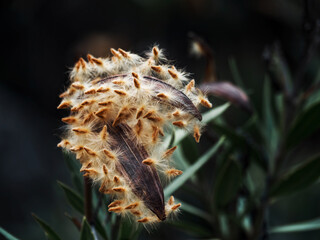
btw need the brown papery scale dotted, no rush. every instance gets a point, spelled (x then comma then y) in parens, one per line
(120, 109)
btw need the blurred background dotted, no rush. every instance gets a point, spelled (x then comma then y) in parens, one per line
(41, 40)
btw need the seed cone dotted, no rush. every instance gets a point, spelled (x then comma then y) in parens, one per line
(120, 108)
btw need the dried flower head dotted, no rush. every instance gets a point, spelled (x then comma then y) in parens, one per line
(121, 107)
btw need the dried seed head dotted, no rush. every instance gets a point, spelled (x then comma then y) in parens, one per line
(119, 108)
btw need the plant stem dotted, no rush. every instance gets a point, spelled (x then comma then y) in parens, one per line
(88, 200)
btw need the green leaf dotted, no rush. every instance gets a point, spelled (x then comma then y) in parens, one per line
(298, 178)
(194, 229)
(310, 225)
(214, 113)
(74, 167)
(86, 232)
(235, 72)
(304, 125)
(270, 128)
(7, 235)
(190, 149)
(194, 210)
(73, 198)
(241, 142)
(50, 234)
(179, 181)
(180, 134)
(227, 183)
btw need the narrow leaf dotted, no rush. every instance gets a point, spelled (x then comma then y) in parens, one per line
(194, 210)
(304, 125)
(74, 167)
(298, 178)
(7, 235)
(192, 228)
(86, 232)
(235, 72)
(310, 225)
(227, 183)
(179, 181)
(50, 234)
(73, 198)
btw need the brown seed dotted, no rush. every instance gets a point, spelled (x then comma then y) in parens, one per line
(116, 179)
(204, 102)
(80, 130)
(87, 102)
(139, 113)
(123, 53)
(106, 103)
(138, 127)
(196, 134)
(156, 68)
(101, 113)
(143, 220)
(103, 134)
(155, 51)
(90, 91)
(136, 83)
(69, 120)
(84, 167)
(118, 82)
(64, 94)
(90, 172)
(119, 189)
(102, 188)
(154, 119)
(105, 169)
(173, 74)
(162, 96)
(103, 89)
(109, 154)
(64, 104)
(123, 115)
(94, 60)
(77, 86)
(96, 80)
(136, 212)
(135, 75)
(76, 148)
(175, 207)
(155, 133)
(90, 151)
(76, 108)
(132, 206)
(176, 113)
(149, 114)
(148, 161)
(63, 143)
(115, 209)
(115, 53)
(190, 85)
(174, 172)
(120, 92)
(82, 63)
(169, 152)
(178, 124)
(87, 118)
(115, 203)
(171, 200)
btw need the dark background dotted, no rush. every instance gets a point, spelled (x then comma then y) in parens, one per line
(41, 40)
